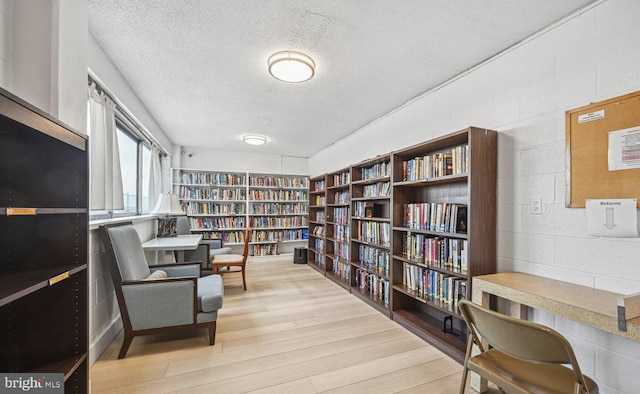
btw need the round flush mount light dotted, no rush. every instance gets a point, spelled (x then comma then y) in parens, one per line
(289, 66)
(254, 139)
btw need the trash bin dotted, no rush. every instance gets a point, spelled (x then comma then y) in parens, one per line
(300, 255)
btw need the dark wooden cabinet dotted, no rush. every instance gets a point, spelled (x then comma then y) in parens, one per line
(44, 245)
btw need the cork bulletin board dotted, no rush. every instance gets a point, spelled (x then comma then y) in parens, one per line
(590, 173)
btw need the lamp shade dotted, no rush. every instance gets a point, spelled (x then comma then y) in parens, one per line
(168, 204)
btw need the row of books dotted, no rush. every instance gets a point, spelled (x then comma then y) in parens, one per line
(321, 201)
(380, 189)
(342, 232)
(374, 259)
(447, 253)
(284, 195)
(276, 221)
(210, 208)
(225, 236)
(341, 198)
(374, 233)
(377, 287)
(264, 249)
(216, 223)
(318, 245)
(208, 178)
(340, 215)
(276, 235)
(379, 170)
(272, 208)
(341, 250)
(453, 162)
(318, 231)
(341, 179)
(444, 217)
(300, 182)
(211, 193)
(341, 269)
(319, 186)
(321, 216)
(319, 259)
(434, 286)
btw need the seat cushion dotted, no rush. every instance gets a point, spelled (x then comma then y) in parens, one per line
(228, 258)
(210, 292)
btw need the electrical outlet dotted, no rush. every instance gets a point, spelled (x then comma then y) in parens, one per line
(535, 205)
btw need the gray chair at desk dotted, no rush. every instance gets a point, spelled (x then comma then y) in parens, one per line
(207, 248)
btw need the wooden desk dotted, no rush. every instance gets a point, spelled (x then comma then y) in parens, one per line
(178, 243)
(595, 308)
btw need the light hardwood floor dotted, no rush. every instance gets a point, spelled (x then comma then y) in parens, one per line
(292, 331)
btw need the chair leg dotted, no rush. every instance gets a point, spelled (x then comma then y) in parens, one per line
(126, 342)
(212, 334)
(244, 282)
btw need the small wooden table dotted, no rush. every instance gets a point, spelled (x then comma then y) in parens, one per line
(178, 243)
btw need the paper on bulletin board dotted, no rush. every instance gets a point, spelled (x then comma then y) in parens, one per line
(624, 149)
(616, 218)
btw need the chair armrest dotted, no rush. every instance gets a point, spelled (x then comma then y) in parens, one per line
(161, 302)
(179, 269)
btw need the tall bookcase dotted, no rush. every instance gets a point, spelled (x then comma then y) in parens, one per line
(444, 229)
(317, 221)
(371, 231)
(222, 204)
(423, 224)
(337, 227)
(278, 211)
(44, 235)
(215, 202)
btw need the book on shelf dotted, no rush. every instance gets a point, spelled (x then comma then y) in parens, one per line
(452, 162)
(442, 217)
(434, 286)
(380, 170)
(378, 288)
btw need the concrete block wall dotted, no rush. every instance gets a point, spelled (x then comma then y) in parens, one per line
(524, 93)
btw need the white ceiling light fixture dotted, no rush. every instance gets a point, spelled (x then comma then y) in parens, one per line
(253, 139)
(289, 66)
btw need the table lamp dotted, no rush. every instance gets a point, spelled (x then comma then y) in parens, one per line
(168, 205)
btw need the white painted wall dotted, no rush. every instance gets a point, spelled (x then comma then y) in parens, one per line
(524, 95)
(208, 159)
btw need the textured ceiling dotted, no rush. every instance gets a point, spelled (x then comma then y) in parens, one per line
(200, 66)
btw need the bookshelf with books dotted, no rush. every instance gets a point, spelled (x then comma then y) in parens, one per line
(317, 223)
(444, 224)
(214, 201)
(278, 212)
(371, 232)
(44, 251)
(337, 227)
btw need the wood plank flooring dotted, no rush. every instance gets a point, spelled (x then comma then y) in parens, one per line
(292, 331)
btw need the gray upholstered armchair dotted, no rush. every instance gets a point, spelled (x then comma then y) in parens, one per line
(161, 297)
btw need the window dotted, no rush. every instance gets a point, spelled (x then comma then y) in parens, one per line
(125, 168)
(135, 165)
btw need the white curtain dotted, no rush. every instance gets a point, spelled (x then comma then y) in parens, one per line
(155, 177)
(106, 176)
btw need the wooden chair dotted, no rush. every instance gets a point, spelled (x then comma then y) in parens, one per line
(522, 357)
(233, 262)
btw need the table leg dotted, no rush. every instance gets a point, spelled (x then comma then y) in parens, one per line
(180, 256)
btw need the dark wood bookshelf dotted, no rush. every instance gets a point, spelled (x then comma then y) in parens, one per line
(317, 192)
(462, 174)
(44, 251)
(471, 186)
